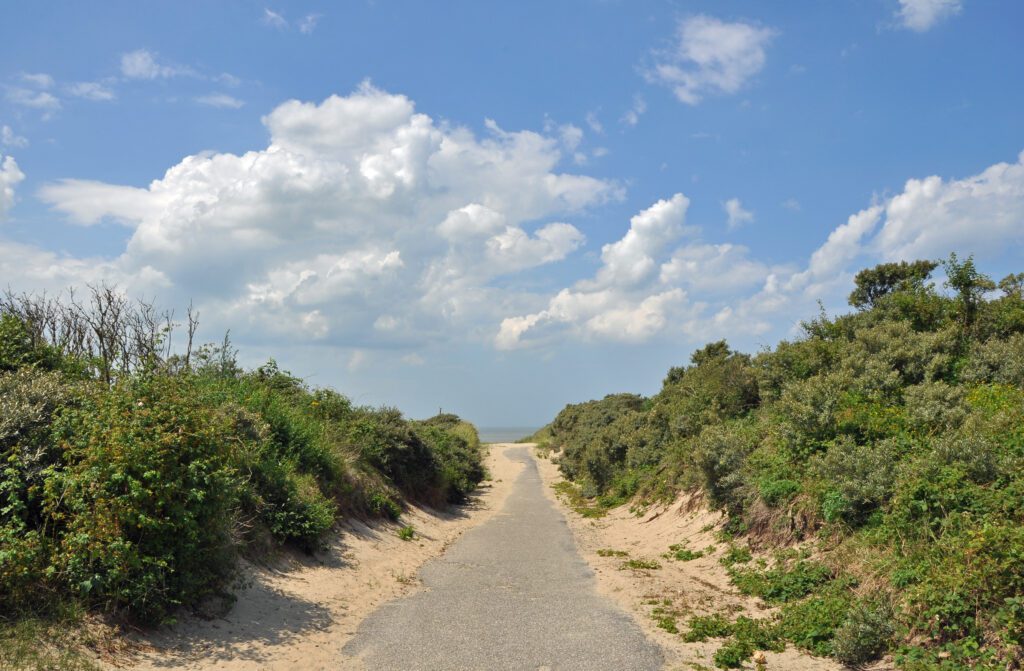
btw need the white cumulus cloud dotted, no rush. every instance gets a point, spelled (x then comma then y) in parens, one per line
(633, 258)
(307, 24)
(612, 305)
(922, 15)
(9, 138)
(652, 285)
(711, 56)
(220, 101)
(631, 117)
(713, 269)
(736, 214)
(10, 176)
(91, 91)
(933, 216)
(37, 79)
(87, 202)
(364, 223)
(40, 100)
(273, 19)
(143, 64)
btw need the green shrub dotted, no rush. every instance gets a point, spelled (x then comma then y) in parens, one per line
(865, 634)
(383, 505)
(732, 654)
(775, 492)
(20, 349)
(460, 460)
(293, 426)
(857, 479)
(719, 385)
(640, 565)
(782, 583)
(807, 413)
(596, 438)
(811, 623)
(703, 627)
(389, 444)
(29, 460)
(996, 361)
(748, 635)
(680, 552)
(407, 533)
(145, 505)
(736, 555)
(293, 507)
(287, 499)
(720, 453)
(935, 407)
(759, 634)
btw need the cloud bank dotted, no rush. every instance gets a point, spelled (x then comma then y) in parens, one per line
(650, 286)
(365, 224)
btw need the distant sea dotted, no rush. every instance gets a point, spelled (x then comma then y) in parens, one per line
(504, 434)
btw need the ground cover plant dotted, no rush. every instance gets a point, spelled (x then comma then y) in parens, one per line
(876, 464)
(132, 477)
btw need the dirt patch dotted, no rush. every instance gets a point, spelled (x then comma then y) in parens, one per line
(300, 613)
(678, 589)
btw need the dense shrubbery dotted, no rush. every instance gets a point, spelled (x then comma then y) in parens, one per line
(132, 483)
(892, 437)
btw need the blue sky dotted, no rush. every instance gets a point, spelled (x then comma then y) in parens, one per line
(498, 208)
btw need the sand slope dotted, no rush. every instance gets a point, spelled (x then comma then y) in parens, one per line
(697, 587)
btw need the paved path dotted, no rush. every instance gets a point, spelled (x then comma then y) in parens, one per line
(511, 594)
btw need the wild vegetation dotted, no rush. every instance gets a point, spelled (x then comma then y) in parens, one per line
(876, 463)
(132, 477)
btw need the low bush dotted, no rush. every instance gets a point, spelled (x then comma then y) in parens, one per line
(144, 505)
(855, 479)
(736, 554)
(680, 552)
(782, 583)
(743, 637)
(703, 627)
(865, 634)
(811, 623)
(456, 447)
(640, 565)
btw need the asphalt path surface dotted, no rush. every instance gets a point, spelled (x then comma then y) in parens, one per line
(512, 593)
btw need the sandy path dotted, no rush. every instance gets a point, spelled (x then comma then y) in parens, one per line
(697, 587)
(512, 593)
(301, 614)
